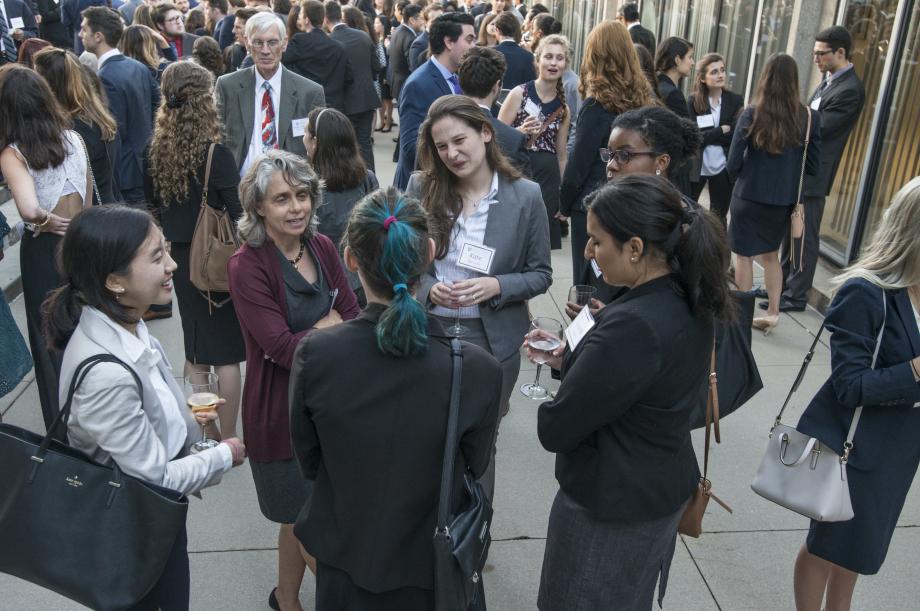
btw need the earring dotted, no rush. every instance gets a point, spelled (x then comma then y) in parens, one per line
(118, 294)
(634, 259)
(658, 172)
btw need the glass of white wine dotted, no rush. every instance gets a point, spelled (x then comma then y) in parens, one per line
(203, 395)
(544, 338)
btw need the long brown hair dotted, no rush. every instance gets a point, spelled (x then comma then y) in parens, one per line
(31, 118)
(138, 43)
(65, 75)
(700, 95)
(611, 72)
(438, 183)
(336, 158)
(186, 123)
(777, 120)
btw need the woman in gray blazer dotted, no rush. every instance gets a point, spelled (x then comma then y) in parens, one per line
(491, 232)
(115, 265)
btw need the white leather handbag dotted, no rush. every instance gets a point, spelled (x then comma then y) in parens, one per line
(799, 472)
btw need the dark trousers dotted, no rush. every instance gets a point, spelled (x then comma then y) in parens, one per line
(579, 237)
(363, 123)
(172, 591)
(720, 193)
(797, 283)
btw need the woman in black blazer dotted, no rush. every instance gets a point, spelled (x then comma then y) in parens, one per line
(765, 161)
(624, 459)
(607, 92)
(715, 111)
(673, 62)
(369, 404)
(885, 454)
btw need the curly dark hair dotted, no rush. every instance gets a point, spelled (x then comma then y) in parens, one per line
(665, 132)
(206, 52)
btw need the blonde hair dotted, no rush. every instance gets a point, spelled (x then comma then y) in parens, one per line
(892, 258)
(562, 41)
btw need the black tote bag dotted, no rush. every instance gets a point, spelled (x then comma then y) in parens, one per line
(736, 369)
(79, 528)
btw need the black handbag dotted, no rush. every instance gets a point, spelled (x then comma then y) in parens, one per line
(461, 542)
(739, 378)
(79, 528)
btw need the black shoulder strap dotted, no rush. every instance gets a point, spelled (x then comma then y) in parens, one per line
(450, 441)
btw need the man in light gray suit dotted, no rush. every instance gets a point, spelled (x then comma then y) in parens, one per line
(265, 106)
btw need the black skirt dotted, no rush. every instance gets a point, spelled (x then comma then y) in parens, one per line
(211, 338)
(335, 591)
(545, 167)
(757, 228)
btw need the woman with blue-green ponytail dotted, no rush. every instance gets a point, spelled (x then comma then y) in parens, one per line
(369, 404)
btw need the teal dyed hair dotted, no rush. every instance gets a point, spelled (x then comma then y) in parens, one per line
(392, 260)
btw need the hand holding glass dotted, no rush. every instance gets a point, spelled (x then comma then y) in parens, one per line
(580, 296)
(203, 395)
(544, 338)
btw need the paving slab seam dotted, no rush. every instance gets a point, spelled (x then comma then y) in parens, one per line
(700, 571)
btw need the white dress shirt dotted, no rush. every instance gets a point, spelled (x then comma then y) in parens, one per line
(714, 155)
(107, 55)
(255, 143)
(471, 229)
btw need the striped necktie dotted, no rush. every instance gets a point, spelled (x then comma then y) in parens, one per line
(269, 135)
(9, 47)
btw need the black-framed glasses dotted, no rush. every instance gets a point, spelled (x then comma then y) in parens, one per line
(624, 156)
(822, 53)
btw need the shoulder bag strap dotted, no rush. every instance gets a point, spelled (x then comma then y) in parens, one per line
(799, 377)
(848, 444)
(207, 175)
(798, 198)
(450, 440)
(546, 122)
(92, 176)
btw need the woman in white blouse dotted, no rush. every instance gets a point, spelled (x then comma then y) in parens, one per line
(478, 202)
(115, 264)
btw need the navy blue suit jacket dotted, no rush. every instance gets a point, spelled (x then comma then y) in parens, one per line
(133, 96)
(18, 8)
(424, 86)
(888, 393)
(418, 51)
(519, 62)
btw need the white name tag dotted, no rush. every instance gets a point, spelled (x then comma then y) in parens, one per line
(298, 127)
(532, 109)
(576, 331)
(475, 257)
(704, 121)
(597, 270)
(17, 23)
(816, 104)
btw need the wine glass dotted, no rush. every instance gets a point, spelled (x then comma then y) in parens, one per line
(581, 294)
(456, 329)
(203, 395)
(545, 336)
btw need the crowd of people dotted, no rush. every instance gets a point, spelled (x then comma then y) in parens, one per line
(120, 123)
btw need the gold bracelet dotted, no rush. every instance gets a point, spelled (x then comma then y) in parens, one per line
(44, 222)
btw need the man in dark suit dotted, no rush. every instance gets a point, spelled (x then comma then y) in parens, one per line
(171, 24)
(450, 36)
(314, 55)
(519, 61)
(628, 15)
(839, 99)
(418, 51)
(17, 22)
(133, 97)
(361, 99)
(400, 42)
(480, 72)
(265, 106)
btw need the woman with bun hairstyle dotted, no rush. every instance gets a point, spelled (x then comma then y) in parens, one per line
(543, 25)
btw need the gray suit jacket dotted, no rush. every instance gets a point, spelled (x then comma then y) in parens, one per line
(518, 230)
(360, 96)
(236, 105)
(110, 422)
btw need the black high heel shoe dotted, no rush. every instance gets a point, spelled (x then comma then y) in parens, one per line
(273, 601)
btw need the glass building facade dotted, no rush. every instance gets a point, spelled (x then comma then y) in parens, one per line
(883, 152)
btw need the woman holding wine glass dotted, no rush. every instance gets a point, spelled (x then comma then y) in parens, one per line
(624, 459)
(491, 233)
(115, 264)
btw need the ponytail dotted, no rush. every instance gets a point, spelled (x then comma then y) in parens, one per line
(60, 315)
(700, 258)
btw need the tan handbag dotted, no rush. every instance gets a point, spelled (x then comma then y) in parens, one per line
(691, 522)
(797, 225)
(213, 243)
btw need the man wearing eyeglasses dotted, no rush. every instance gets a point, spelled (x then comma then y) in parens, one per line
(171, 24)
(265, 106)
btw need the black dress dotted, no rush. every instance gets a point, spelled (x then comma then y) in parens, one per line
(100, 160)
(212, 335)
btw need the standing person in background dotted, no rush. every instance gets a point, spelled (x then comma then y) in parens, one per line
(382, 85)
(361, 99)
(148, 47)
(715, 110)
(611, 83)
(877, 299)
(286, 280)
(171, 24)
(473, 195)
(400, 41)
(133, 96)
(487, 36)
(223, 28)
(126, 10)
(839, 99)
(84, 106)
(206, 52)
(237, 52)
(195, 23)
(538, 109)
(418, 50)
(51, 27)
(45, 166)
(451, 35)
(765, 161)
(544, 25)
(520, 62)
(674, 61)
(19, 25)
(628, 15)
(333, 149)
(186, 127)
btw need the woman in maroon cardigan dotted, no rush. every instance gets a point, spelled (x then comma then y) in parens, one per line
(285, 280)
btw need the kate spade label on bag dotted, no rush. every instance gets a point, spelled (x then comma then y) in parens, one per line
(74, 481)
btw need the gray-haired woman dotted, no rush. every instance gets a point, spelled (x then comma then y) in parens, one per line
(285, 280)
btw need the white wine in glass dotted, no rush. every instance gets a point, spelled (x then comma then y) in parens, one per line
(203, 397)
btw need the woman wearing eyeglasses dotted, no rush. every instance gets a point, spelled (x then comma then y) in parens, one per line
(612, 82)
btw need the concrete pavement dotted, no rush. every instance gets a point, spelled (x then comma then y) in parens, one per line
(743, 561)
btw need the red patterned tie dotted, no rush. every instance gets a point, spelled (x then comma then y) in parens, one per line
(269, 136)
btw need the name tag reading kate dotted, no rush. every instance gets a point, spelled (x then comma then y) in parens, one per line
(704, 121)
(476, 257)
(298, 126)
